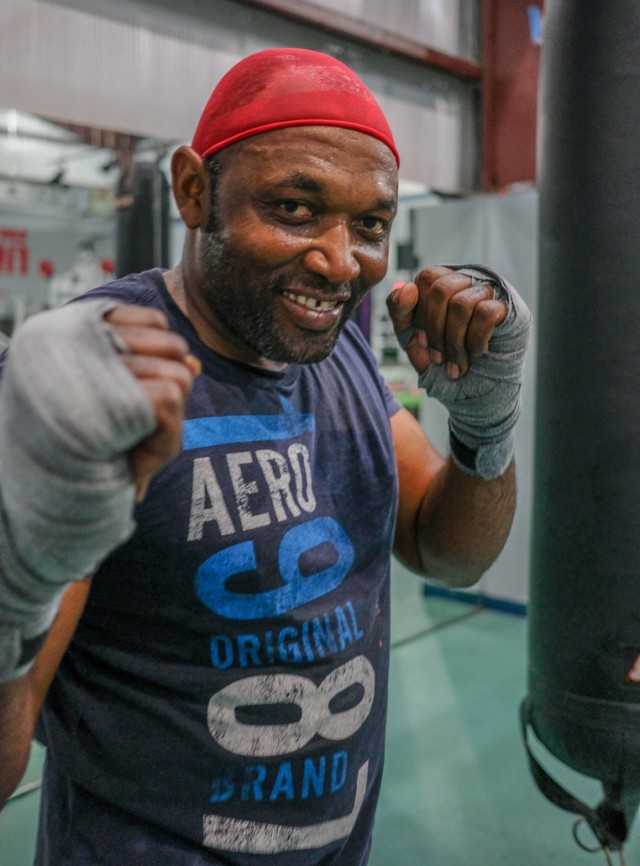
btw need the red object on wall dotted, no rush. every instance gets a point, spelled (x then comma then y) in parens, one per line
(14, 252)
(511, 63)
(46, 268)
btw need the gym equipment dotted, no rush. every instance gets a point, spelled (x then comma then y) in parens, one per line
(583, 701)
(142, 218)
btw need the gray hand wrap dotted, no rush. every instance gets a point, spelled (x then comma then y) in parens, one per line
(484, 405)
(70, 411)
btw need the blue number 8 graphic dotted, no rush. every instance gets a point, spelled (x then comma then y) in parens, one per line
(297, 589)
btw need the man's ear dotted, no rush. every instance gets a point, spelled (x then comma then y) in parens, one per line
(190, 186)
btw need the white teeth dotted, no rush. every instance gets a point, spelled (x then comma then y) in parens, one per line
(311, 303)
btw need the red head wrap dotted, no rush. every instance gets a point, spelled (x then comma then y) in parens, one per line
(283, 87)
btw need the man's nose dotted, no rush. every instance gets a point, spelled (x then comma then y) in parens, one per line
(333, 256)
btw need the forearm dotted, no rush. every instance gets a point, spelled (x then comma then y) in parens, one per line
(65, 497)
(66, 491)
(465, 331)
(21, 698)
(463, 524)
(16, 730)
(98, 407)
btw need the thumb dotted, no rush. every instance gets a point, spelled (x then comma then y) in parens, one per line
(402, 304)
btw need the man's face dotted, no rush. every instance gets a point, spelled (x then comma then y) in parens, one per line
(297, 235)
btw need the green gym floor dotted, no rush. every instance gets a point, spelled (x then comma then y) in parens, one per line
(457, 790)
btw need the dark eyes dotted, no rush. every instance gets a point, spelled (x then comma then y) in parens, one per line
(295, 208)
(301, 213)
(375, 225)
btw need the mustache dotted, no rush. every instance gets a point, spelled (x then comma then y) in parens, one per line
(313, 283)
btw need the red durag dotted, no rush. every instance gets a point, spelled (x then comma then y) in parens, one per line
(283, 87)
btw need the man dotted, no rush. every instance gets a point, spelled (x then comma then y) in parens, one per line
(216, 694)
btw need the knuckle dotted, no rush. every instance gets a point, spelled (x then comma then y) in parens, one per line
(485, 314)
(439, 290)
(177, 340)
(173, 398)
(459, 306)
(162, 343)
(434, 271)
(180, 347)
(168, 401)
(150, 317)
(451, 283)
(159, 317)
(428, 276)
(134, 314)
(480, 330)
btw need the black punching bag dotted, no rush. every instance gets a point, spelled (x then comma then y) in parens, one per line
(142, 219)
(583, 699)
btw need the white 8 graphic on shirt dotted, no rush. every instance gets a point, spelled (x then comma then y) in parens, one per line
(313, 702)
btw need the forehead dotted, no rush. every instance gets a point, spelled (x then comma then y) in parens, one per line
(334, 157)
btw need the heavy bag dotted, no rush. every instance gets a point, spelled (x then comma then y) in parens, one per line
(583, 699)
(142, 219)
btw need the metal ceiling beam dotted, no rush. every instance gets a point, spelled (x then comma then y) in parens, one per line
(373, 37)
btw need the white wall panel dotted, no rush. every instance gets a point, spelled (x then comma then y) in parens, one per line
(500, 231)
(148, 67)
(430, 141)
(450, 26)
(75, 66)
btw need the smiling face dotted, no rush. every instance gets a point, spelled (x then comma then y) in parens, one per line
(297, 234)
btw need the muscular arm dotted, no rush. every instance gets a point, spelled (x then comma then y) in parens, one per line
(159, 362)
(465, 332)
(451, 525)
